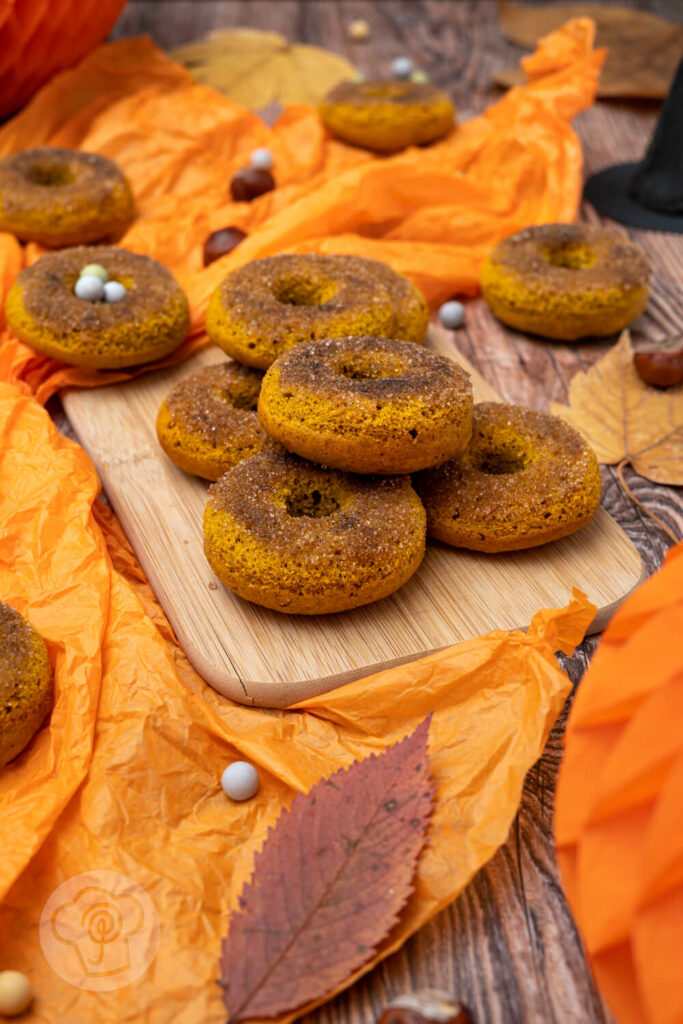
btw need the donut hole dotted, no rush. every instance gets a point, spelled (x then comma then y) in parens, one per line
(241, 394)
(369, 366)
(569, 255)
(498, 460)
(50, 174)
(304, 291)
(384, 90)
(314, 498)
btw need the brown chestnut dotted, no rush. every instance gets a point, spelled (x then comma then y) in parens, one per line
(221, 242)
(661, 365)
(425, 1007)
(249, 183)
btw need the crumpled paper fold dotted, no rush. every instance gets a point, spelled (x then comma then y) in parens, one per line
(618, 814)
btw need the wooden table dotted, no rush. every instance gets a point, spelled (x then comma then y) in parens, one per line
(507, 947)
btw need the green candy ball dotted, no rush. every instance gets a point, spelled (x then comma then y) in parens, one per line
(95, 270)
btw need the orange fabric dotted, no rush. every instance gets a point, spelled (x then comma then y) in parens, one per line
(432, 213)
(618, 810)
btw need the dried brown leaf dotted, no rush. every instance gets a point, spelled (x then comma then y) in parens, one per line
(625, 419)
(328, 883)
(643, 49)
(258, 68)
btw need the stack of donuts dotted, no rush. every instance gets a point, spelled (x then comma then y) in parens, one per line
(336, 442)
(329, 403)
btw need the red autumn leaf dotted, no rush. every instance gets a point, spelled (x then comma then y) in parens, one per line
(329, 882)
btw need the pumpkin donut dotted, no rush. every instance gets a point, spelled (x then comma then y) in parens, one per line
(525, 478)
(566, 281)
(148, 323)
(268, 306)
(63, 197)
(25, 683)
(208, 422)
(304, 540)
(411, 312)
(367, 405)
(386, 116)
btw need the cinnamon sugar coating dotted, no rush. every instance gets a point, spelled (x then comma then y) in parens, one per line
(311, 540)
(367, 405)
(566, 281)
(149, 322)
(525, 478)
(268, 306)
(208, 422)
(63, 197)
(25, 683)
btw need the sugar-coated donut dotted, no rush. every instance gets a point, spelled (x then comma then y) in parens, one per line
(297, 538)
(411, 312)
(268, 306)
(63, 197)
(367, 405)
(208, 422)
(566, 281)
(147, 323)
(25, 683)
(386, 116)
(525, 478)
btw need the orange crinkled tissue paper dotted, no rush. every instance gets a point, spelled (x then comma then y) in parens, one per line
(618, 813)
(125, 777)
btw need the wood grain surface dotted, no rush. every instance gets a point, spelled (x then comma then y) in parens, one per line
(261, 657)
(507, 946)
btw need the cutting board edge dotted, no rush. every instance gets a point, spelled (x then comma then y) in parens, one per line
(277, 694)
(271, 694)
(604, 614)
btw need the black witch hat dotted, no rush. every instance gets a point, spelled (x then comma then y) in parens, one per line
(649, 194)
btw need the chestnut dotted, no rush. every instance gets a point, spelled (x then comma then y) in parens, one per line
(661, 364)
(249, 183)
(221, 242)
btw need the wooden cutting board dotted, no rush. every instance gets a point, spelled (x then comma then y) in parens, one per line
(266, 658)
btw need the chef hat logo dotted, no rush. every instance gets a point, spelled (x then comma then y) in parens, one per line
(100, 934)
(98, 924)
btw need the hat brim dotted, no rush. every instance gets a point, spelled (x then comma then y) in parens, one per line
(608, 192)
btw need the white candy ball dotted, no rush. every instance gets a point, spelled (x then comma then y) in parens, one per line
(89, 288)
(261, 159)
(95, 270)
(402, 67)
(114, 291)
(15, 993)
(240, 781)
(452, 314)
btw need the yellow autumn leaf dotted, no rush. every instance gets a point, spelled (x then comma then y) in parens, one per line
(255, 68)
(625, 419)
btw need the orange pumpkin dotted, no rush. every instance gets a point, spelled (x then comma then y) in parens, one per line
(38, 38)
(619, 799)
